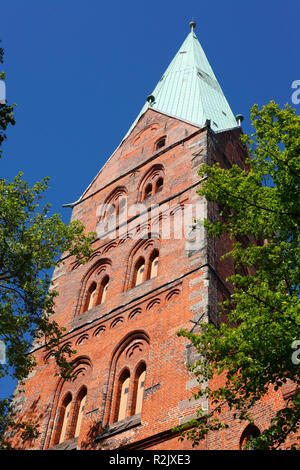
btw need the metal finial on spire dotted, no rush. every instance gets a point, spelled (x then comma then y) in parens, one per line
(239, 119)
(150, 99)
(192, 25)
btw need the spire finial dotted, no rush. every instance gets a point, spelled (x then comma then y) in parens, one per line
(150, 99)
(192, 25)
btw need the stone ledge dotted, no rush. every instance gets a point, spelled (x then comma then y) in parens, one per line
(197, 280)
(189, 403)
(70, 444)
(121, 426)
(187, 418)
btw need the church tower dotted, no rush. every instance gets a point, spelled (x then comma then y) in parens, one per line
(153, 271)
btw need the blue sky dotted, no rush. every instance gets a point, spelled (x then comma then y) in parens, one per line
(80, 71)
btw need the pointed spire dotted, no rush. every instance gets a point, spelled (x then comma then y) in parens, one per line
(189, 89)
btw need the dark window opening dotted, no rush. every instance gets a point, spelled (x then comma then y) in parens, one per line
(160, 143)
(159, 185)
(148, 191)
(251, 432)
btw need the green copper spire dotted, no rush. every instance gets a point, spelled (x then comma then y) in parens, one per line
(189, 89)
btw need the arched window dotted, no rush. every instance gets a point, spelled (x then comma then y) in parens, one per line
(122, 396)
(103, 290)
(108, 220)
(79, 411)
(63, 419)
(121, 207)
(68, 404)
(160, 143)
(139, 272)
(152, 182)
(143, 262)
(159, 185)
(148, 191)
(94, 286)
(90, 298)
(251, 431)
(125, 387)
(112, 210)
(139, 387)
(153, 265)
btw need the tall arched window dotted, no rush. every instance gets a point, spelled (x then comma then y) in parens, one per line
(122, 396)
(63, 419)
(125, 387)
(121, 207)
(111, 212)
(68, 404)
(90, 298)
(139, 272)
(148, 191)
(79, 411)
(159, 185)
(138, 394)
(103, 290)
(107, 221)
(153, 265)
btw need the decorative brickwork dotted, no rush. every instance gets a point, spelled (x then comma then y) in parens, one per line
(133, 331)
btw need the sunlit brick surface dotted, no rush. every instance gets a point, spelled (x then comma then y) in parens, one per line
(138, 325)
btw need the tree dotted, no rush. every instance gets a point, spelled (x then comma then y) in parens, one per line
(31, 242)
(253, 347)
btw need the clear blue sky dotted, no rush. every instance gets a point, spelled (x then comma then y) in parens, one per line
(80, 71)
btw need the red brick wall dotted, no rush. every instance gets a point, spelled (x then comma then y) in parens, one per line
(139, 324)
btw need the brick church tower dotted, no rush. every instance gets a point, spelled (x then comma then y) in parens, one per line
(153, 271)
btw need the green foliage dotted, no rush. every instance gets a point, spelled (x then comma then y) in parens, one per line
(31, 242)
(30, 245)
(8, 419)
(260, 211)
